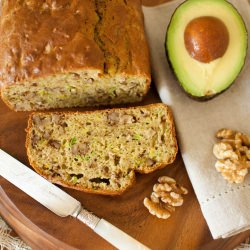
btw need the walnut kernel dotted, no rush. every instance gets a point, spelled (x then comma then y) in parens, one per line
(166, 195)
(225, 134)
(155, 209)
(233, 154)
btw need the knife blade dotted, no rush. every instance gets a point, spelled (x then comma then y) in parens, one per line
(61, 203)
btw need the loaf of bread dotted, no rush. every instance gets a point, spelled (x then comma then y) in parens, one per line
(100, 151)
(69, 53)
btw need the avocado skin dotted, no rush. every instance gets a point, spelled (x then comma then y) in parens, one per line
(199, 98)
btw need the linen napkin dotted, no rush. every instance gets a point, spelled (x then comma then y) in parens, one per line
(226, 207)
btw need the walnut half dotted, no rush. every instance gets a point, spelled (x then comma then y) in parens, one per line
(166, 195)
(233, 154)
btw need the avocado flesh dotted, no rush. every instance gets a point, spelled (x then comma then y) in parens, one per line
(206, 80)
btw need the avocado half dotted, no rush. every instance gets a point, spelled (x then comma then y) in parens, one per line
(206, 45)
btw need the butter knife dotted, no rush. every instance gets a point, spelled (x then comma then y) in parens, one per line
(61, 203)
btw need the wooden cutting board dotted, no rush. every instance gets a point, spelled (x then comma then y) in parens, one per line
(41, 229)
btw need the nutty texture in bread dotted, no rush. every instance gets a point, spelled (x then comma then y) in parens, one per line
(100, 151)
(68, 53)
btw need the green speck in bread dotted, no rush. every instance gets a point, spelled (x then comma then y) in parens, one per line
(112, 91)
(137, 137)
(43, 92)
(152, 153)
(73, 141)
(74, 179)
(86, 158)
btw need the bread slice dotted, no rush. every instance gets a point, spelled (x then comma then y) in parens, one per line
(100, 151)
(72, 53)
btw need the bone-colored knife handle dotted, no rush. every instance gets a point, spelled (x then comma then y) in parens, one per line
(116, 237)
(110, 233)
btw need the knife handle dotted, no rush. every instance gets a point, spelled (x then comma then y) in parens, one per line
(116, 237)
(87, 218)
(109, 232)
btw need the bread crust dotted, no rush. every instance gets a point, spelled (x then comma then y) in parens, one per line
(103, 192)
(5, 100)
(83, 34)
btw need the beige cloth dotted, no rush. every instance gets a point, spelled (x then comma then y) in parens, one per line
(225, 207)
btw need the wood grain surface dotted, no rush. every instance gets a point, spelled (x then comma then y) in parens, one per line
(41, 229)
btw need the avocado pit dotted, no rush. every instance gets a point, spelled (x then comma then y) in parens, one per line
(206, 38)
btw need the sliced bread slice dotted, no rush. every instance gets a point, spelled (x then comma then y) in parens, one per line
(100, 151)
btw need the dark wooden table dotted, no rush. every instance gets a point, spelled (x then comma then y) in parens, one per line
(41, 229)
